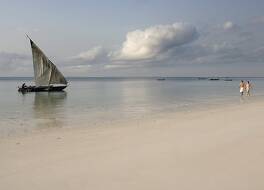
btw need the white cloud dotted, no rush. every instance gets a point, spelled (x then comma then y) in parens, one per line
(12, 63)
(159, 47)
(228, 25)
(91, 55)
(154, 41)
(117, 66)
(258, 20)
(217, 46)
(76, 70)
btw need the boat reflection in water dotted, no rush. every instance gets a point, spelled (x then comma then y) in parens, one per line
(49, 109)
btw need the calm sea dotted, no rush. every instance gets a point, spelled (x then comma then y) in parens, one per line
(97, 100)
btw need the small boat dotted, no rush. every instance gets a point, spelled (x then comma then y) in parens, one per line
(47, 76)
(202, 78)
(50, 88)
(214, 79)
(227, 79)
(161, 79)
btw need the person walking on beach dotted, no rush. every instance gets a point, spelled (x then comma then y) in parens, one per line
(241, 87)
(248, 88)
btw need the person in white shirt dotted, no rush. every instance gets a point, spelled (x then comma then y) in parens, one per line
(241, 87)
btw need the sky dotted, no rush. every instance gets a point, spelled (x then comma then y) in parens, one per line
(135, 37)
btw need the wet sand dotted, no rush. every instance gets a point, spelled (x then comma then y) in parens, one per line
(213, 149)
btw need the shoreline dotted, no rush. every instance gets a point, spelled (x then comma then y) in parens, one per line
(220, 148)
(82, 123)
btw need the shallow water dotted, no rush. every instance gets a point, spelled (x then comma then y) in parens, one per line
(97, 100)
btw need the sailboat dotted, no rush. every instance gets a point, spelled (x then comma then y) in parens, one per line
(47, 76)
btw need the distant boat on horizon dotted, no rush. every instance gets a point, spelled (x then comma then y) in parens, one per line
(46, 75)
(161, 79)
(214, 78)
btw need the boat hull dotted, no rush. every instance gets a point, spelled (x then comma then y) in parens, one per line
(41, 89)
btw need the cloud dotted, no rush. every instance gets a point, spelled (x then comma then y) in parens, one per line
(116, 66)
(75, 70)
(216, 46)
(160, 48)
(230, 49)
(93, 54)
(154, 41)
(11, 57)
(142, 48)
(11, 63)
(258, 20)
(229, 25)
(85, 61)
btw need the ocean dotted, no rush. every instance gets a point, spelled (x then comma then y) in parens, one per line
(88, 102)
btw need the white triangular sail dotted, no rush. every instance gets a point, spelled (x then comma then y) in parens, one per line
(45, 72)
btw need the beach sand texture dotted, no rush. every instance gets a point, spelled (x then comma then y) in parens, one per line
(215, 149)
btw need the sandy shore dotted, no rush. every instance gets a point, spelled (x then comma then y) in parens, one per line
(203, 150)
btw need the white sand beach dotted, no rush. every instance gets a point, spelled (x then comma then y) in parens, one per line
(213, 149)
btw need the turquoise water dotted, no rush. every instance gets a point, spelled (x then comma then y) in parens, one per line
(95, 100)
